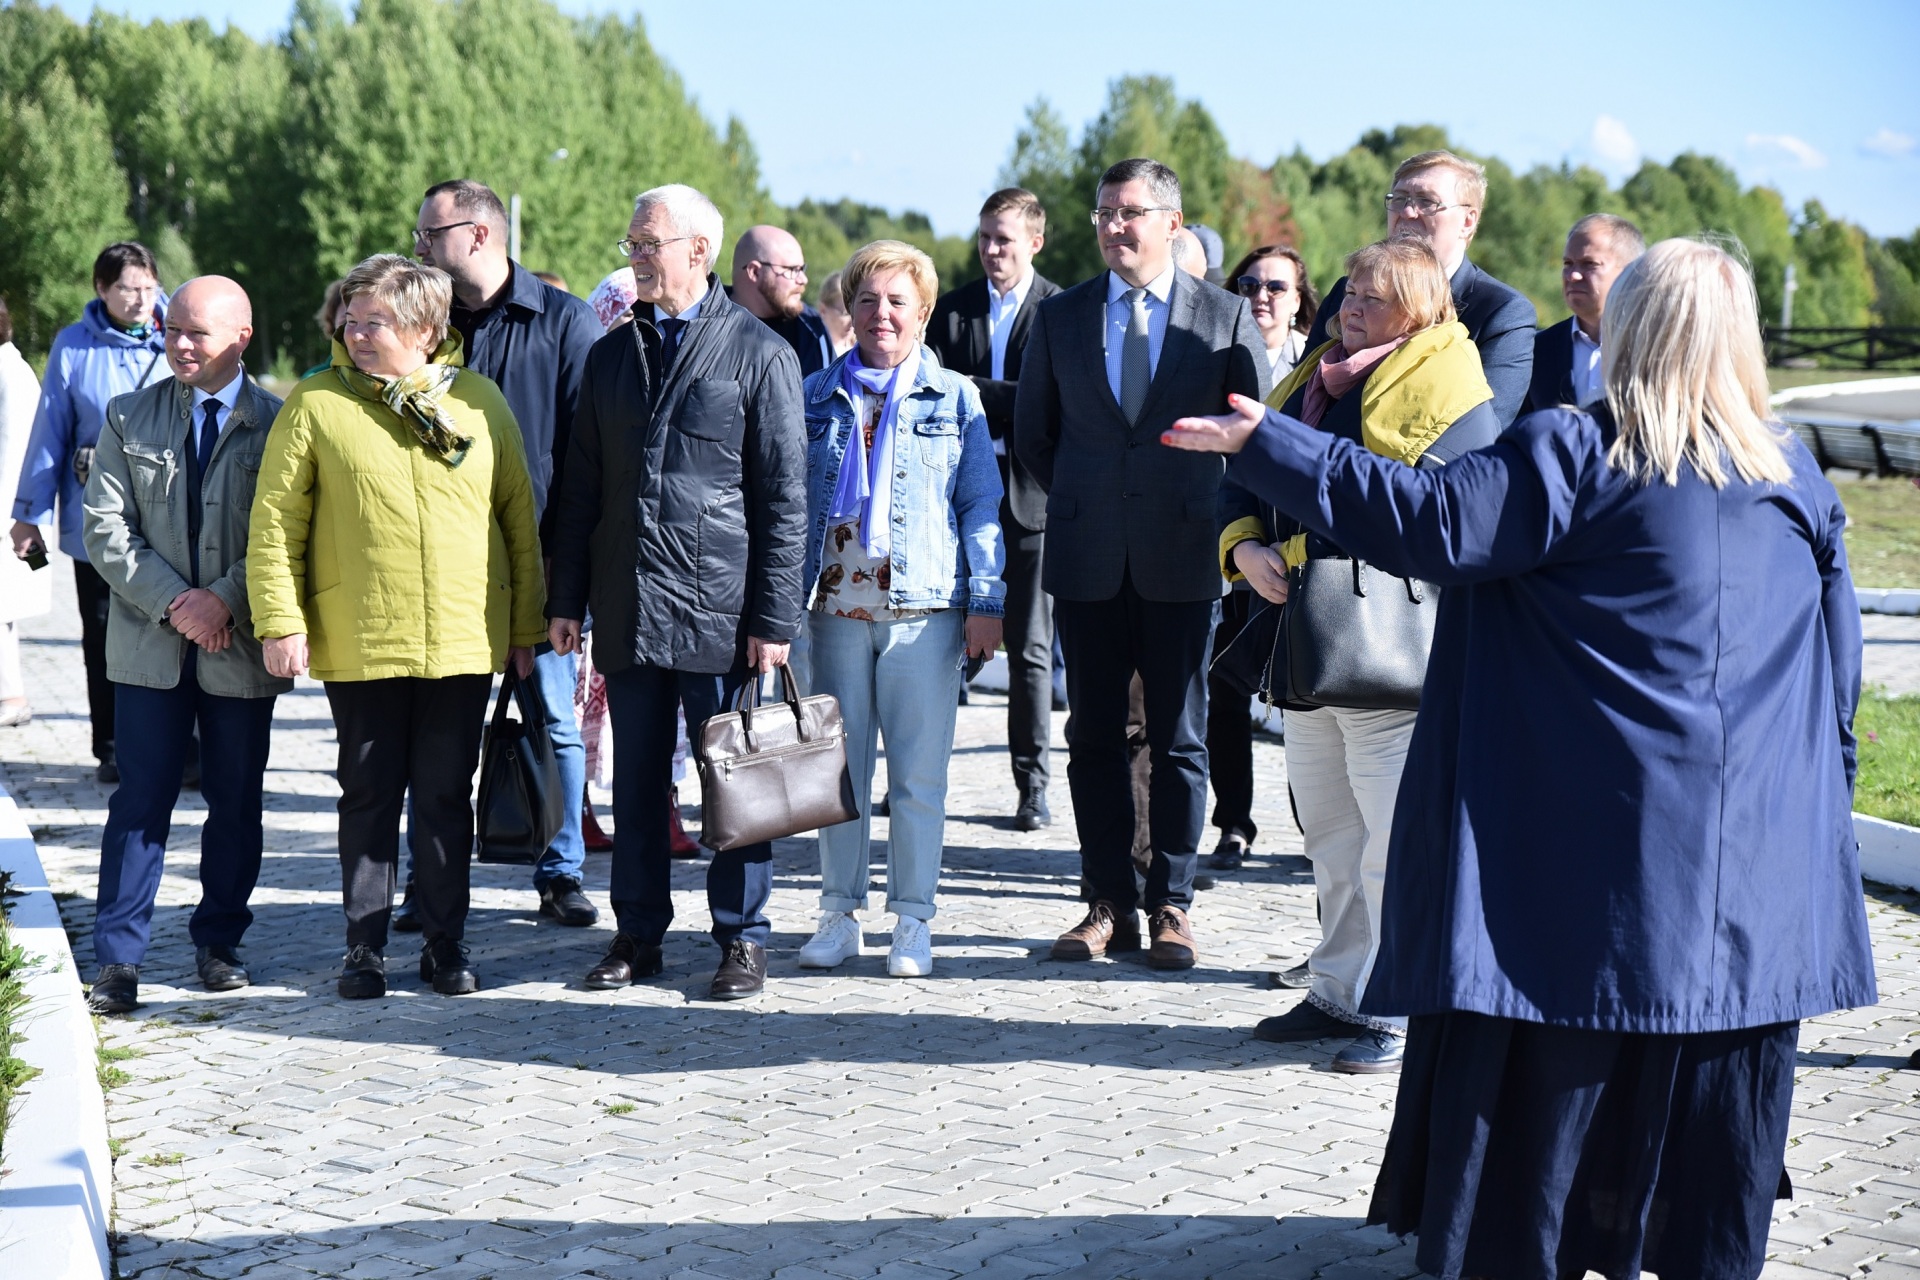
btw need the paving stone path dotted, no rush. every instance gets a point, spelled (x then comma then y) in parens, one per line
(1008, 1117)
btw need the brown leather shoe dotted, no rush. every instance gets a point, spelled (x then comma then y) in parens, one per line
(1172, 940)
(1102, 931)
(627, 961)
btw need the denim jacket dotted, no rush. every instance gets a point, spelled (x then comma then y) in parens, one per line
(947, 547)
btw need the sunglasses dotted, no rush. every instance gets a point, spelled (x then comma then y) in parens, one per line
(1249, 287)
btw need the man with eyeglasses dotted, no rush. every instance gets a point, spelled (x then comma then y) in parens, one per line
(1437, 197)
(770, 280)
(1132, 531)
(684, 525)
(532, 339)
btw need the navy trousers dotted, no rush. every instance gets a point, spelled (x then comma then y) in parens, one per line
(155, 729)
(642, 701)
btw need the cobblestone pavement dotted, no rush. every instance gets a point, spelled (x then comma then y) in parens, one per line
(1008, 1117)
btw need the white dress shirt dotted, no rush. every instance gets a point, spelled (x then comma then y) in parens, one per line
(693, 309)
(1002, 308)
(1119, 313)
(1588, 385)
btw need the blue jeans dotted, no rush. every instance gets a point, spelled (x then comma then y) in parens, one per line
(155, 726)
(641, 701)
(901, 678)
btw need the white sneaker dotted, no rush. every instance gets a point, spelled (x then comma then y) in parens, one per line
(837, 939)
(912, 953)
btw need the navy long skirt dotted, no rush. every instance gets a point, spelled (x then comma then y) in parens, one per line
(1528, 1152)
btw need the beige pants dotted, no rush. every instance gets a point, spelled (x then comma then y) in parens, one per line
(1345, 769)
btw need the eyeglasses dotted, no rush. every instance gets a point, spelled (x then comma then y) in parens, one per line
(1397, 203)
(646, 248)
(796, 272)
(1250, 287)
(1127, 214)
(427, 235)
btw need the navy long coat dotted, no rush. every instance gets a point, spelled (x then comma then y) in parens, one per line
(1627, 802)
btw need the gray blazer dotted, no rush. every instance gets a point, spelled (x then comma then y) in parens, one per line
(135, 525)
(1118, 501)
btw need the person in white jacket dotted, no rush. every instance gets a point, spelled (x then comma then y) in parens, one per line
(24, 592)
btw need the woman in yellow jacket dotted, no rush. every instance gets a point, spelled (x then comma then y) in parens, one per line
(394, 553)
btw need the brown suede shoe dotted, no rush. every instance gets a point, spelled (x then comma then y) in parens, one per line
(1172, 940)
(1102, 931)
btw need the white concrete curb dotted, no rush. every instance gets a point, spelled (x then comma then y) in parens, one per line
(1889, 851)
(1901, 600)
(56, 1181)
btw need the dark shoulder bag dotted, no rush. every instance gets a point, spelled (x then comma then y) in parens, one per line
(521, 806)
(1357, 637)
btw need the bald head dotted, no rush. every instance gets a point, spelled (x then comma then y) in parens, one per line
(209, 323)
(1189, 254)
(769, 273)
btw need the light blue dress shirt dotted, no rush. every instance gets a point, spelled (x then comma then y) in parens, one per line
(227, 397)
(1118, 313)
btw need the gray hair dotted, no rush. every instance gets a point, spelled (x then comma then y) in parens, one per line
(1162, 181)
(1620, 233)
(688, 212)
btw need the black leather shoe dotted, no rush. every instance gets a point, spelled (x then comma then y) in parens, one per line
(1375, 1053)
(363, 974)
(742, 972)
(627, 961)
(107, 772)
(443, 962)
(562, 900)
(1033, 813)
(1305, 1021)
(220, 968)
(1230, 854)
(1298, 978)
(406, 916)
(116, 989)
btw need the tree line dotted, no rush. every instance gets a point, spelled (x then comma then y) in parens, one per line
(284, 163)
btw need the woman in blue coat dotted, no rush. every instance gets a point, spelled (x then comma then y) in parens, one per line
(1623, 865)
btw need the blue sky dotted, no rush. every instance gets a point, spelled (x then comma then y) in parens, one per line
(916, 105)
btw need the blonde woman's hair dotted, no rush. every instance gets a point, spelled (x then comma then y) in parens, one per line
(1685, 370)
(419, 296)
(1407, 272)
(890, 255)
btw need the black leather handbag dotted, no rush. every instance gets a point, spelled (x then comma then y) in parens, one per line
(774, 770)
(521, 806)
(1357, 637)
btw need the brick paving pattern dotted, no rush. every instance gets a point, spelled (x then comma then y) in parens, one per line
(1010, 1116)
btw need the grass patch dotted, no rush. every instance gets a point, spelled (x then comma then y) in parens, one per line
(621, 1108)
(1883, 531)
(14, 1072)
(1888, 784)
(164, 1159)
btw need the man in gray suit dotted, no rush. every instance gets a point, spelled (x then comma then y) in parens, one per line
(1132, 560)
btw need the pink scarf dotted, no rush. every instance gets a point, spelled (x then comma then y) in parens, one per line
(1339, 372)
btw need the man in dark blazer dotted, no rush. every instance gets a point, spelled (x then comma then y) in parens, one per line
(1437, 197)
(1566, 356)
(1132, 559)
(980, 330)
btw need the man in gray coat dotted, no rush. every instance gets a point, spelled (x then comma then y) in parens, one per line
(165, 520)
(1132, 560)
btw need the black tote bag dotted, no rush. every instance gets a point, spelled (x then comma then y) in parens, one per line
(1357, 637)
(521, 805)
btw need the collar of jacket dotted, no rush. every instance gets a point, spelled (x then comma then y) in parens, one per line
(525, 290)
(104, 330)
(1400, 416)
(452, 350)
(245, 412)
(831, 380)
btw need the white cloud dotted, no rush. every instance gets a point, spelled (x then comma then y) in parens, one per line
(1890, 144)
(1804, 154)
(1614, 144)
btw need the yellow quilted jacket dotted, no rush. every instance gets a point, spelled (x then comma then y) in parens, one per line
(390, 561)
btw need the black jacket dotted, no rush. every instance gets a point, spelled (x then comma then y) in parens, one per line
(1499, 319)
(1552, 381)
(958, 335)
(1119, 502)
(684, 518)
(807, 334)
(533, 343)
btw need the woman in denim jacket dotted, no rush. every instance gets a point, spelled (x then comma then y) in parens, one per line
(903, 572)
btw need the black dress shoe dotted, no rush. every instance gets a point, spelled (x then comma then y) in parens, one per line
(363, 974)
(1230, 854)
(220, 968)
(1305, 1021)
(627, 961)
(107, 772)
(1374, 1053)
(116, 989)
(1033, 813)
(406, 916)
(562, 900)
(742, 972)
(443, 962)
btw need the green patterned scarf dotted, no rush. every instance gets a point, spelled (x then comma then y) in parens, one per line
(416, 397)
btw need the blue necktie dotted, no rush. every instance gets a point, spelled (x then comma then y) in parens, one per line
(209, 436)
(671, 330)
(204, 440)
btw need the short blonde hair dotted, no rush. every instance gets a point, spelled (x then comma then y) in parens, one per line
(1473, 177)
(419, 296)
(1410, 274)
(833, 293)
(890, 255)
(1685, 369)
